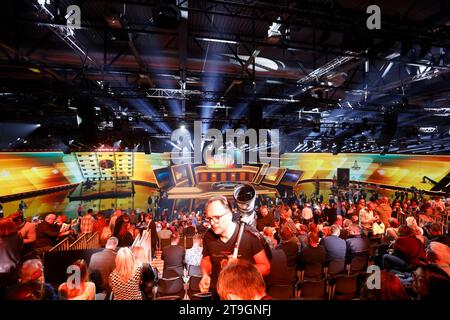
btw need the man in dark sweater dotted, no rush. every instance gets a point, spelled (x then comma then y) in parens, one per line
(312, 253)
(102, 264)
(264, 218)
(47, 234)
(173, 257)
(334, 246)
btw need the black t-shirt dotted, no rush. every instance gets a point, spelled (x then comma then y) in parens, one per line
(217, 250)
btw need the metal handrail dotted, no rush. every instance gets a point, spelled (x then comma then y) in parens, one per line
(62, 245)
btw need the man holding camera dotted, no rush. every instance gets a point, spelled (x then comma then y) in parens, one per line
(219, 242)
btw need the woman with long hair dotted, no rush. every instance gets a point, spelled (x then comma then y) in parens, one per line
(126, 278)
(73, 289)
(149, 277)
(11, 245)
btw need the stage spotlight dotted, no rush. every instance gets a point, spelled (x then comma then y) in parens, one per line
(183, 127)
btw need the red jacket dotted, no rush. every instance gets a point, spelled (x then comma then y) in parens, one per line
(410, 249)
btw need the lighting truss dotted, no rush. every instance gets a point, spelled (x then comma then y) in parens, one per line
(179, 94)
(330, 66)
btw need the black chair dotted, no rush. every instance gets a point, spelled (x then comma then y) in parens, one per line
(344, 287)
(335, 267)
(281, 291)
(202, 296)
(194, 285)
(174, 271)
(359, 263)
(169, 298)
(171, 287)
(312, 272)
(312, 289)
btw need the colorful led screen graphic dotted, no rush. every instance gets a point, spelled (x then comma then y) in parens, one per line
(31, 171)
(394, 170)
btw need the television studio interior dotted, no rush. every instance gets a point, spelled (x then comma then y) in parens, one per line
(225, 150)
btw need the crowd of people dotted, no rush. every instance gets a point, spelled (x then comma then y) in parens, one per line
(405, 236)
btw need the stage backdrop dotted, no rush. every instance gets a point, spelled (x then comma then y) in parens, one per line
(31, 171)
(394, 170)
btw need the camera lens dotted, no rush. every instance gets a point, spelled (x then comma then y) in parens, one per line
(245, 194)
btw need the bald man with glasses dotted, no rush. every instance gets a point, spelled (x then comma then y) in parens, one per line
(219, 242)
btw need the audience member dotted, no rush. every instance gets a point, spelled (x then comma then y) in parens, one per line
(11, 245)
(334, 246)
(241, 281)
(439, 254)
(391, 289)
(77, 288)
(173, 257)
(31, 285)
(125, 280)
(102, 264)
(149, 276)
(193, 255)
(431, 283)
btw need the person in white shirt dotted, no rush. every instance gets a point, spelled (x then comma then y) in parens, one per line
(367, 218)
(307, 214)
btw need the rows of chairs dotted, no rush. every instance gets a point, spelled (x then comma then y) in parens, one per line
(173, 286)
(338, 280)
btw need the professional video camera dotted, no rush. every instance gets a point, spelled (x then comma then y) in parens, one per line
(245, 197)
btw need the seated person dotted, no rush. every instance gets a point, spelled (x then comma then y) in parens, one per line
(240, 280)
(391, 288)
(312, 254)
(408, 251)
(193, 256)
(173, 257)
(439, 254)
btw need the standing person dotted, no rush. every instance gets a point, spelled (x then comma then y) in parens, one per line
(220, 240)
(28, 232)
(10, 253)
(80, 210)
(47, 234)
(384, 210)
(126, 278)
(102, 264)
(22, 207)
(84, 290)
(149, 276)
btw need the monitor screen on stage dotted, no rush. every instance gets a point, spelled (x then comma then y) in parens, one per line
(273, 176)
(291, 178)
(182, 174)
(164, 178)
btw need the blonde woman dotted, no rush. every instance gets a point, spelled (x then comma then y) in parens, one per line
(149, 277)
(125, 280)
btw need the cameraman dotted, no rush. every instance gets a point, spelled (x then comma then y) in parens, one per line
(219, 242)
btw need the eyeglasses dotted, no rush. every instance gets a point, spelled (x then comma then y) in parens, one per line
(215, 218)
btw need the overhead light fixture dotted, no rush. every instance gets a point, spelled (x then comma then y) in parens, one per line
(217, 40)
